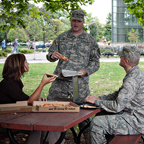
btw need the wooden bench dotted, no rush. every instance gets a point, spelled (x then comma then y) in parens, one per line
(126, 139)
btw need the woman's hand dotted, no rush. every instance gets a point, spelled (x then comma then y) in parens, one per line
(91, 99)
(42, 99)
(46, 79)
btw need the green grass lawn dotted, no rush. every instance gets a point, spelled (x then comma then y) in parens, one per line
(106, 80)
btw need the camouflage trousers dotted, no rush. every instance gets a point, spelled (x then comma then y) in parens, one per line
(63, 89)
(108, 124)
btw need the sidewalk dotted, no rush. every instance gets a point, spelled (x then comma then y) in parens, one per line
(41, 58)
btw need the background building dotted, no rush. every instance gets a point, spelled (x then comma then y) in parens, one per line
(123, 22)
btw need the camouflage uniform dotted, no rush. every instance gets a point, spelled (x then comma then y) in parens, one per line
(126, 104)
(83, 53)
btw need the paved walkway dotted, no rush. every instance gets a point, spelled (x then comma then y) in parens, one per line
(41, 58)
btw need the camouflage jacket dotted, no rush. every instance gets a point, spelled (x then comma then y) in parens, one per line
(128, 101)
(82, 52)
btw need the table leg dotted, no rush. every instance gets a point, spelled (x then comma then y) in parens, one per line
(61, 138)
(81, 131)
(11, 137)
(74, 133)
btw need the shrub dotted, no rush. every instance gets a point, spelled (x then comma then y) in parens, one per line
(102, 50)
(2, 53)
(8, 50)
(25, 51)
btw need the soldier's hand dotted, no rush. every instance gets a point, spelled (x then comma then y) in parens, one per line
(91, 99)
(83, 71)
(56, 55)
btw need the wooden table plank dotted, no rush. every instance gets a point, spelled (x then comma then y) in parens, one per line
(64, 121)
(8, 116)
(46, 121)
(24, 122)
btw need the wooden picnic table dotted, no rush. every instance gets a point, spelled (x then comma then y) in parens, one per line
(48, 121)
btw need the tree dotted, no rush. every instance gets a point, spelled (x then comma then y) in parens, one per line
(100, 31)
(133, 36)
(107, 32)
(136, 7)
(13, 34)
(15, 10)
(93, 30)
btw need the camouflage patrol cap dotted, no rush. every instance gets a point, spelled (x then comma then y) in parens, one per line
(131, 52)
(77, 15)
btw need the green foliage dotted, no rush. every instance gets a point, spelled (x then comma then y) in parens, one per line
(108, 29)
(3, 53)
(133, 35)
(57, 26)
(8, 50)
(93, 30)
(25, 51)
(102, 50)
(14, 33)
(108, 53)
(12, 12)
(100, 31)
(136, 8)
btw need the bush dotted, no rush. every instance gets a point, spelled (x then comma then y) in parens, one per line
(102, 50)
(3, 53)
(25, 51)
(8, 50)
(108, 53)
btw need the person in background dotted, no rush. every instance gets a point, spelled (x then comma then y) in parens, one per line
(123, 110)
(3, 45)
(11, 88)
(15, 46)
(83, 53)
(30, 46)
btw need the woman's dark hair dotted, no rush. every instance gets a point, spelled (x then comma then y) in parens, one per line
(14, 67)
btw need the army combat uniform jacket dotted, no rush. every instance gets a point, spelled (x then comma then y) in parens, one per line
(128, 101)
(82, 52)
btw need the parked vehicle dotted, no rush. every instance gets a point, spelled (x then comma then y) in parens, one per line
(48, 44)
(41, 44)
(21, 43)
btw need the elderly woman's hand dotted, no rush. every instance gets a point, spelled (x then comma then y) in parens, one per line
(91, 99)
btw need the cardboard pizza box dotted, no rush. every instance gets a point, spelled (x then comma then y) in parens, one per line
(38, 105)
(19, 106)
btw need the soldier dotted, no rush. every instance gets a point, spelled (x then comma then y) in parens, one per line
(83, 53)
(124, 108)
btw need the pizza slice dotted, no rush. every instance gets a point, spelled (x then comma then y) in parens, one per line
(55, 105)
(50, 75)
(46, 105)
(88, 106)
(64, 58)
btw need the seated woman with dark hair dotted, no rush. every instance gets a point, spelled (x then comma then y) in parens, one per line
(11, 87)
